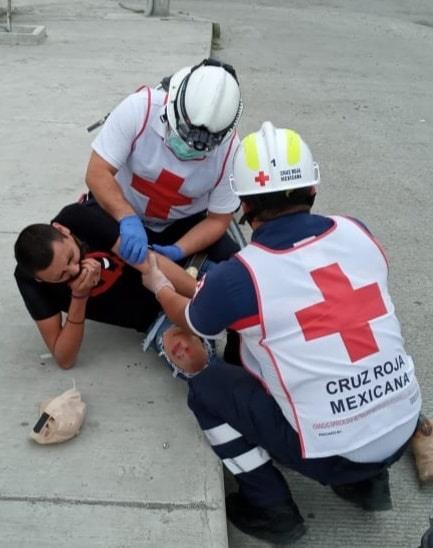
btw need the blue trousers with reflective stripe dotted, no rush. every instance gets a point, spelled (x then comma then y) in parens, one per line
(247, 429)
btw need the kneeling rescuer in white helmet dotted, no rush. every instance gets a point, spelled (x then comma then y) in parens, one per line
(160, 164)
(327, 388)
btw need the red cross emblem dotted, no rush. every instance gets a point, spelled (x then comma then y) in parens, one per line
(261, 178)
(163, 193)
(345, 310)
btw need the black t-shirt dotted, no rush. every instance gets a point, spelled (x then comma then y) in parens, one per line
(121, 298)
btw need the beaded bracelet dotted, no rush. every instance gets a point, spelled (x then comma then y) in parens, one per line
(75, 323)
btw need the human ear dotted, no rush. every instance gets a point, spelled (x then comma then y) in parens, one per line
(64, 230)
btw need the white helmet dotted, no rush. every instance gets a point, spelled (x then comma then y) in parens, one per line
(204, 104)
(272, 160)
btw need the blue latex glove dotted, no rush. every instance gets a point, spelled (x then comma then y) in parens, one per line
(133, 239)
(173, 252)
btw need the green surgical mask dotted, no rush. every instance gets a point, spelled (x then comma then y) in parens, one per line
(181, 149)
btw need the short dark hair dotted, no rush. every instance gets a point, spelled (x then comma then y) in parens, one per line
(265, 207)
(34, 247)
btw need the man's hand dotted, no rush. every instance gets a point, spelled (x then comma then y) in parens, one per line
(87, 279)
(155, 280)
(133, 239)
(173, 252)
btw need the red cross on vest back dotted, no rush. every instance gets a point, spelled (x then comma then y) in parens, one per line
(163, 193)
(261, 178)
(345, 310)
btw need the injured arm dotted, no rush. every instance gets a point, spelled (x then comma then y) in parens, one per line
(174, 306)
(181, 280)
(172, 303)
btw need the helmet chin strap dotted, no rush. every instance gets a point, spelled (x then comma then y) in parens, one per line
(248, 217)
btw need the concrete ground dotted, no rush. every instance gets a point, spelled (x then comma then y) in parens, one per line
(355, 79)
(139, 473)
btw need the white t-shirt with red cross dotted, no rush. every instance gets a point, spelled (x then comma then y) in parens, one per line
(160, 187)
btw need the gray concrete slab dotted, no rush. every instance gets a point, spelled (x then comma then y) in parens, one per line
(23, 34)
(52, 92)
(139, 473)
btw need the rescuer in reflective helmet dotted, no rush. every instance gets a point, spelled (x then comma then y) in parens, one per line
(204, 107)
(327, 388)
(160, 164)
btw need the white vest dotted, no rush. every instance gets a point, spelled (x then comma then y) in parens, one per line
(329, 347)
(160, 187)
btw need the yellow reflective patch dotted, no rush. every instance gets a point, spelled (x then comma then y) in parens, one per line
(251, 152)
(293, 148)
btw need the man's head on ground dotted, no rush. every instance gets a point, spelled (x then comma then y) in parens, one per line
(204, 107)
(185, 351)
(48, 253)
(274, 173)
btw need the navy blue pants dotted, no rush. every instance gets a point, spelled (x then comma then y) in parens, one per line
(247, 429)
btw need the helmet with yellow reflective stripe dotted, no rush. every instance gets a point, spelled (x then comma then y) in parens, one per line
(272, 160)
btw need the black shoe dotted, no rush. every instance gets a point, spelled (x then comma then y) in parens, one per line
(372, 495)
(280, 524)
(427, 539)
